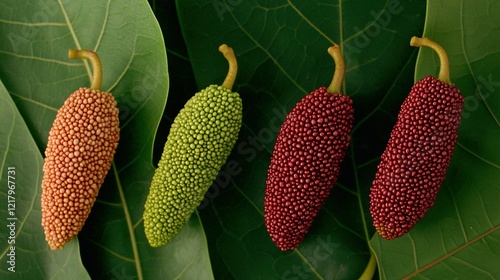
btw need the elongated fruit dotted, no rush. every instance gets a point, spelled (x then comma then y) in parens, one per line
(80, 149)
(200, 140)
(414, 163)
(306, 159)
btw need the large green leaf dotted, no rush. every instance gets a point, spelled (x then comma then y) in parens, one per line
(459, 238)
(24, 253)
(181, 79)
(281, 47)
(34, 39)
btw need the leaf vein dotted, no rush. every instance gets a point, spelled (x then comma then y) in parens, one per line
(133, 241)
(4, 159)
(414, 250)
(75, 38)
(382, 101)
(360, 201)
(256, 42)
(451, 253)
(34, 102)
(478, 156)
(343, 225)
(469, 66)
(111, 252)
(32, 24)
(472, 266)
(103, 27)
(40, 58)
(484, 209)
(297, 251)
(310, 23)
(458, 214)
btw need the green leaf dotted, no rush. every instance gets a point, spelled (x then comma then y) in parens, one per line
(34, 39)
(460, 236)
(24, 252)
(181, 79)
(281, 48)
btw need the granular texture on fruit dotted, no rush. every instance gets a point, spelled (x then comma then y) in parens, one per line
(198, 144)
(417, 156)
(305, 164)
(80, 149)
(79, 153)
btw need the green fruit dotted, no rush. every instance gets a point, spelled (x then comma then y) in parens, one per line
(200, 140)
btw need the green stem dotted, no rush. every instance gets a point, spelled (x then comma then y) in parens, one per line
(370, 269)
(233, 66)
(444, 69)
(96, 65)
(338, 76)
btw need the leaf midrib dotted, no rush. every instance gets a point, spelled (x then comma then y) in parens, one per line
(451, 253)
(128, 218)
(73, 35)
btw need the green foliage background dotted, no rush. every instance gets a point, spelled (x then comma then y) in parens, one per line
(281, 49)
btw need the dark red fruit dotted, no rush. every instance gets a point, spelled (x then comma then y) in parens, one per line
(305, 164)
(414, 163)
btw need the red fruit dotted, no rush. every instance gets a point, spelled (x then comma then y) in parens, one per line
(414, 163)
(306, 160)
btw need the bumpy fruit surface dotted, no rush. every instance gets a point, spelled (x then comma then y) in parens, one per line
(305, 162)
(414, 163)
(200, 140)
(79, 153)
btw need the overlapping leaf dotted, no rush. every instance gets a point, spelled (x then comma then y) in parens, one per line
(281, 47)
(34, 39)
(459, 237)
(24, 252)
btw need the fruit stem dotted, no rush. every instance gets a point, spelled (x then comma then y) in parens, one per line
(338, 76)
(96, 65)
(444, 69)
(233, 66)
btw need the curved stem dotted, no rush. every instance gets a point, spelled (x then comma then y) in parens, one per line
(233, 66)
(338, 75)
(370, 269)
(96, 65)
(444, 68)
